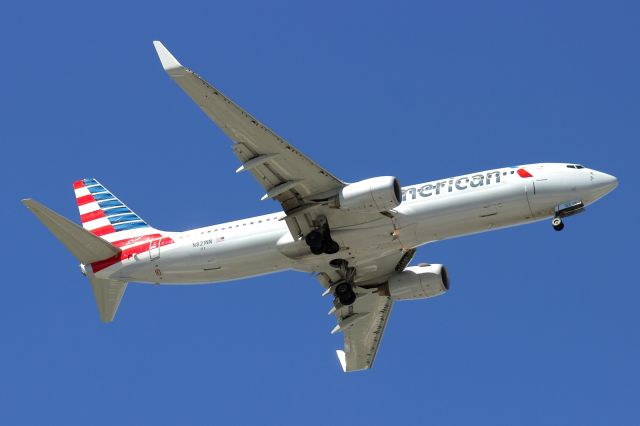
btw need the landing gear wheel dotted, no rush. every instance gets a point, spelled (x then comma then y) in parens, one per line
(557, 223)
(319, 240)
(344, 293)
(331, 247)
(343, 289)
(348, 299)
(314, 240)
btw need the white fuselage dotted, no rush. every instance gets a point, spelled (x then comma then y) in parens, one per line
(429, 212)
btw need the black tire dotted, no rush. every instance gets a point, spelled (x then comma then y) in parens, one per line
(331, 247)
(316, 250)
(348, 299)
(559, 227)
(342, 290)
(314, 239)
(556, 222)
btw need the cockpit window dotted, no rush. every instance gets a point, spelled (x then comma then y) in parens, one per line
(575, 166)
(578, 166)
(571, 166)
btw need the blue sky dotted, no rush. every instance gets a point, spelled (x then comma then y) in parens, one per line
(539, 327)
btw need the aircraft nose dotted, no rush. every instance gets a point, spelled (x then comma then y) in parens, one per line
(606, 183)
(602, 184)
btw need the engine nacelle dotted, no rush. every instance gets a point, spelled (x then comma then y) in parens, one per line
(418, 282)
(377, 194)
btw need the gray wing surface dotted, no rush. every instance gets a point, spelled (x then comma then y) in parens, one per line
(285, 173)
(364, 322)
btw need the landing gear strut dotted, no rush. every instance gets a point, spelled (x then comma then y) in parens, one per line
(557, 223)
(319, 240)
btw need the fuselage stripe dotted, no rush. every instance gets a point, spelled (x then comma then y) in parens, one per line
(127, 253)
(133, 240)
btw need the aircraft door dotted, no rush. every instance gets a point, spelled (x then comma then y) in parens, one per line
(529, 190)
(154, 250)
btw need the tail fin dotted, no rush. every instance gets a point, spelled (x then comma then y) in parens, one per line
(104, 215)
(87, 248)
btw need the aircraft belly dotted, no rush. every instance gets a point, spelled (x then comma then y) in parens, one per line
(192, 261)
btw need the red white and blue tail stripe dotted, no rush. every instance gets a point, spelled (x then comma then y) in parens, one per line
(103, 214)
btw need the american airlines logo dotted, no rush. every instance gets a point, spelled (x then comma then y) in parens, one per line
(459, 184)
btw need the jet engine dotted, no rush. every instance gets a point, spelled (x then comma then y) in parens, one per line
(377, 194)
(417, 282)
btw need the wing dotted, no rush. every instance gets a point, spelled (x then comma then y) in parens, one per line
(363, 323)
(285, 173)
(300, 185)
(363, 328)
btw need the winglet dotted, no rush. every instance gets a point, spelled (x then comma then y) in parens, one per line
(169, 62)
(342, 359)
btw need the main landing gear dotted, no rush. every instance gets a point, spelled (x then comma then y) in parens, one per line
(557, 223)
(319, 240)
(345, 294)
(343, 290)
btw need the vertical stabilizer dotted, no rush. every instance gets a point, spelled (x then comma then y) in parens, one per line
(104, 215)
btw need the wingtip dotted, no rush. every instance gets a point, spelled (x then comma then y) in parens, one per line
(343, 360)
(169, 62)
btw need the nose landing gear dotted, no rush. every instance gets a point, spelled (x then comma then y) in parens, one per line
(557, 223)
(565, 210)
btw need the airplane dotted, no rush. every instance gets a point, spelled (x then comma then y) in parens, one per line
(357, 239)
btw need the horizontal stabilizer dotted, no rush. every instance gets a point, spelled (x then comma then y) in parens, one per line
(85, 246)
(108, 295)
